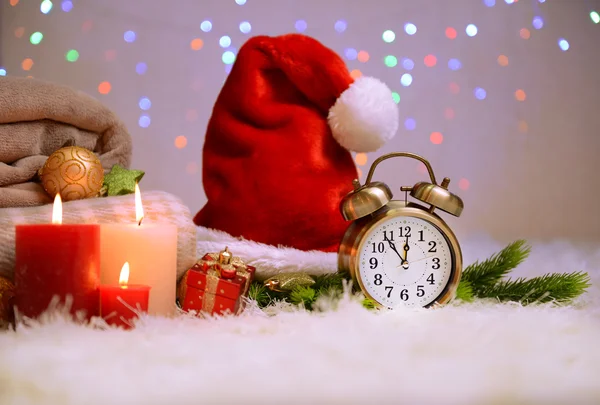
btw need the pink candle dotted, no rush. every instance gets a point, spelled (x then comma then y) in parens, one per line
(151, 251)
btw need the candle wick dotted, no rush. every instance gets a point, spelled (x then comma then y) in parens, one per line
(140, 222)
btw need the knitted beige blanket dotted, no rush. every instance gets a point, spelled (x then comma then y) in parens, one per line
(36, 119)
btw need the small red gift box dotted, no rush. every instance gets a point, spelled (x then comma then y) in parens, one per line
(216, 284)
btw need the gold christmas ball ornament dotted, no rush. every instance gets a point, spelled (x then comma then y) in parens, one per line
(73, 172)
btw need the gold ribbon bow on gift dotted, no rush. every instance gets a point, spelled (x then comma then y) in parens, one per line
(228, 266)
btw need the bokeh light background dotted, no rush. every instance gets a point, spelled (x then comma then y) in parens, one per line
(502, 96)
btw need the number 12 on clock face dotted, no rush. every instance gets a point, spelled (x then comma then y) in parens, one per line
(405, 261)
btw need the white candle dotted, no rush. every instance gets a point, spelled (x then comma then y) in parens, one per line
(151, 249)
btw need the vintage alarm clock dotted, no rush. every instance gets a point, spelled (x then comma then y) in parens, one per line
(401, 253)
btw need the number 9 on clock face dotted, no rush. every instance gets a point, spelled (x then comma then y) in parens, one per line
(405, 261)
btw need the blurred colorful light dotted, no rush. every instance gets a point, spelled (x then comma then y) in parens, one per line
(430, 60)
(245, 27)
(406, 79)
(67, 6)
(489, 3)
(224, 41)
(464, 184)
(46, 6)
(145, 103)
(129, 36)
(2, 72)
(27, 64)
(454, 64)
(104, 88)
(388, 36)
(410, 124)
(396, 97)
(471, 30)
(350, 53)
(595, 17)
(301, 25)
(141, 68)
(450, 33)
(180, 142)
(355, 74)
(240, 2)
(340, 26)
(144, 121)
(410, 28)
(206, 26)
(520, 95)
(480, 94)
(503, 60)
(563, 44)
(36, 38)
(390, 61)
(196, 44)
(436, 138)
(537, 22)
(72, 55)
(408, 64)
(228, 57)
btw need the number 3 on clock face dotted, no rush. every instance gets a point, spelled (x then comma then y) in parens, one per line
(405, 261)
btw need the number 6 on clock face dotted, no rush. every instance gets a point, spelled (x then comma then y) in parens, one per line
(405, 261)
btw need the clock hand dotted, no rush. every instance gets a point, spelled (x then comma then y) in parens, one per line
(393, 246)
(406, 249)
(422, 258)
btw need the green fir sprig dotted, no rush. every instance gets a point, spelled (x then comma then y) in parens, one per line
(480, 280)
(559, 288)
(481, 276)
(464, 292)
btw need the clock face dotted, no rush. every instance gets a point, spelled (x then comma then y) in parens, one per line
(405, 261)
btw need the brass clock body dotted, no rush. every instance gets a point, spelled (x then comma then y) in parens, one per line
(402, 253)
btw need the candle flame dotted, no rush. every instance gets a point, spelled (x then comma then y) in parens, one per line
(124, 276)
(139, 208)
(57, 210)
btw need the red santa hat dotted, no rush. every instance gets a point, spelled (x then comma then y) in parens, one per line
(276, 157)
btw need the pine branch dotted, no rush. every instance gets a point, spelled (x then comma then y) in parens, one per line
(464, 291)
(258, 293)
(303, 295)
(328, 281)
(490, 271)
(560, 288)
(368, 303)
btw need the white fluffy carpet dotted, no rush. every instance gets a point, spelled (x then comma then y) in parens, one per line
(481, 353)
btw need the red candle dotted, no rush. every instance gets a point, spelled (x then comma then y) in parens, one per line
(57, 260)
(121, 304)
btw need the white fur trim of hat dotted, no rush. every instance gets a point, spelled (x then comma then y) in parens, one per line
(269, 260)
